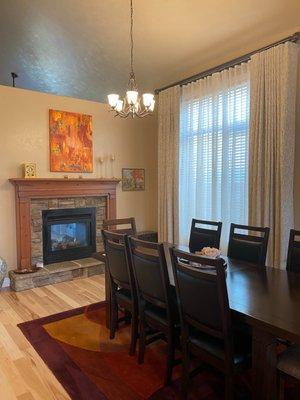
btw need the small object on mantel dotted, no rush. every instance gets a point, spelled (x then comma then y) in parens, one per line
(112, 160)
(80, 177)
(29, 170)
(66, 177)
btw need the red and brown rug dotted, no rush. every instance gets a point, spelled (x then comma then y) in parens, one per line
(75, 345)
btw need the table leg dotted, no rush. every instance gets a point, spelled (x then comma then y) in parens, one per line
(263, 365)
(107, 299)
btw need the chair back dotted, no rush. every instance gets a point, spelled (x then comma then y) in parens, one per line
(114, 225)
(151, 272)
(248, 247)
(204, 234)
(202, 295)
(117, 259)
(293, 256)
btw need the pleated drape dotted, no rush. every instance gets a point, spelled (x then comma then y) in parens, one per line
(168, 139)
(273, 78)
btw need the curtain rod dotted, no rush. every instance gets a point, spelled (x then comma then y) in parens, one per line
(246, 57)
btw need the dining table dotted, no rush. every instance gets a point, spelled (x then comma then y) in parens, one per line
(267, 299)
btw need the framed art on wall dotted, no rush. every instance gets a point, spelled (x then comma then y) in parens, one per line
(71, 142)
(133, 179)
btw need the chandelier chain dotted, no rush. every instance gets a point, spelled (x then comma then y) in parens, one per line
(131, 37)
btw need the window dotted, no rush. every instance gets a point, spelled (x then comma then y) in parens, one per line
(213, 159)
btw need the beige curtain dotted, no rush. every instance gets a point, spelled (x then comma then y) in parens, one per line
(273, 78)
(168, 139)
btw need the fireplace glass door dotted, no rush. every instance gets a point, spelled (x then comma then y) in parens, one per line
(68, 234)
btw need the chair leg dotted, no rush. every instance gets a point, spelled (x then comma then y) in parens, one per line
(170, 358)
(142, 338)
(134, 332)
(113, 317)
(127, 316)
(281, 384)
(185, 378)
(228, 387)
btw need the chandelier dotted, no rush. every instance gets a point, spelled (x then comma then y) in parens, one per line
(132, 104)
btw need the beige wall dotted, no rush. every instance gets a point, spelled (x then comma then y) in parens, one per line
(24, 137)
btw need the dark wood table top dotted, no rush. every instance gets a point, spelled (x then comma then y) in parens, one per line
(265, 297)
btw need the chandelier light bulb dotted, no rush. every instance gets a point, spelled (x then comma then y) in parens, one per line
(148, 99)
(132, 97)
(113, 100)
(151, 108)
(119, 105)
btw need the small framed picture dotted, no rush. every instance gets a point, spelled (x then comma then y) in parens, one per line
(133, 179)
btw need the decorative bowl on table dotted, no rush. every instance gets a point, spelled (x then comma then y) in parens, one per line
(207, 252)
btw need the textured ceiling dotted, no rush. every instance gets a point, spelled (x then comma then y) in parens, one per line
(80, 48)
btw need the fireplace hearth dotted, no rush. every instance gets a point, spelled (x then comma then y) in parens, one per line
(68, 234)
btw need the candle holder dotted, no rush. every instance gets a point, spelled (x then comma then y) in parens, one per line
(101, 162)
(112, 160)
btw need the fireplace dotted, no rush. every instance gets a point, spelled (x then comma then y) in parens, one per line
(68, 234)
(36, 195)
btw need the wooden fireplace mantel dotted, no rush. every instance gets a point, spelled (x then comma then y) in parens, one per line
(47, 188)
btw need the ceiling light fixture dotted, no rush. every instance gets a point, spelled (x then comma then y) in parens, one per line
(132, 104)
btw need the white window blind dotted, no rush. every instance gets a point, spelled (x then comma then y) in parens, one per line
(213, 158)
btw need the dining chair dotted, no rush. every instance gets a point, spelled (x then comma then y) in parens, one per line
(204, 234)
(207, 332)
(248, 247)
(288, 368)
(157, 306)
(114, 225)
(122, 284)
(293, 256)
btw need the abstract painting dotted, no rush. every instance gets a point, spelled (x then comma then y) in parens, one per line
(71, 142)
(133, 179)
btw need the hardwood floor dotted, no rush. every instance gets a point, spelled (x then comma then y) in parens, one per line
(23, 375)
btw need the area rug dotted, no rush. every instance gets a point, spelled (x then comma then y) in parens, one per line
(75, 345)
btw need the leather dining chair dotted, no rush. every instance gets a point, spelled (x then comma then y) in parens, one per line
(158, 311)
(207, 332)
(248, 247)
(114, 225)
(204, 234)
(288, 368)
(293, 256)
(122, 284)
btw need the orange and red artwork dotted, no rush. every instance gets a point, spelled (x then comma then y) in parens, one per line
(71, 142)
